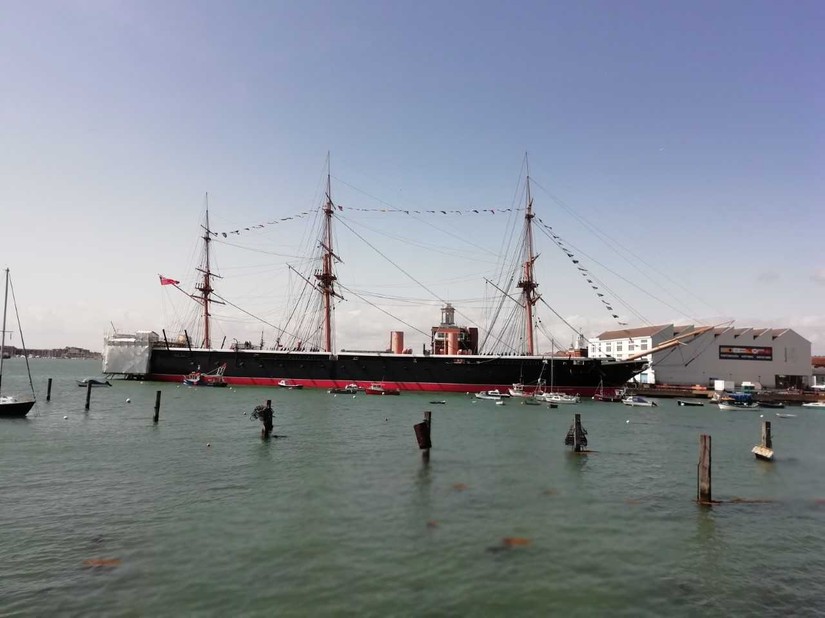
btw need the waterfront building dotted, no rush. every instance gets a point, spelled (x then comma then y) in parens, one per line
(772, 357)
(818, 372)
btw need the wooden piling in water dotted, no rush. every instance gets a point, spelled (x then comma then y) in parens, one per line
(88, 394)
(49, 390)
(703, 472)
(576, 435)
(156, 417)
(764, 451)
(422, 434)
(266, 419)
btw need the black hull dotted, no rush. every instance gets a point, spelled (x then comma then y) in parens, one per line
(15, 409)
(402, 371)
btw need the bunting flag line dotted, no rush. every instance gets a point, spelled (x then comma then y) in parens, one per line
(582, 271)
(301, 215)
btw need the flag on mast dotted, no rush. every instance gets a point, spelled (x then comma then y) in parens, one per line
(167, 281)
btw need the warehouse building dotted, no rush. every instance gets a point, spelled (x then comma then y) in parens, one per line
(774, 358)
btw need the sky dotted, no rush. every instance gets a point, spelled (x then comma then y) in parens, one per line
(679, 146)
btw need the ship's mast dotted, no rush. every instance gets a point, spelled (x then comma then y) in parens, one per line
(205, 287)
(3, 336)
(527, 283)
(326, 278)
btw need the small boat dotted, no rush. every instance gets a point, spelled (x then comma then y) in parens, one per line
(639, 401)
(601, 395)
(12, 406)
(771, 404)
(814, 404)
(349, 389)
(518, 390)
(289, 384)
(729, 406)
(530, 401)
(737, 401)
(499, 403)
(488, 395)
(210, 378)
(379, 389)
(558, 398)
(496, 393)
(780, 415)
(435, 403)
(93, 382)
(689, 402)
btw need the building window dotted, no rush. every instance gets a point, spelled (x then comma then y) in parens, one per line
(644, 345)
(618, 347)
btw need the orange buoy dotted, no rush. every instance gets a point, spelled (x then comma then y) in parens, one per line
(515, 541)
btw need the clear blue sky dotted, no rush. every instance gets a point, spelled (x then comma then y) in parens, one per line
(691, 132)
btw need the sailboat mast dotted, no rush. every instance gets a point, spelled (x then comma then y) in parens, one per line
(205, 288)
(326, 278)
(3, 336)
(527, 283)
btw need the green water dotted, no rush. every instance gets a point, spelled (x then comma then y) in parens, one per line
(341, 516)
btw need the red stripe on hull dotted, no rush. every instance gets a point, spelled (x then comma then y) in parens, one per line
(423, 387)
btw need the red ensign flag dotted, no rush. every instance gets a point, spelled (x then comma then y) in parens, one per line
(167, 281)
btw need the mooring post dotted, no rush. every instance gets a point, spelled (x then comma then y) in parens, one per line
(577, 443)
(576, 435)
(422, 434)
(49, 390)
(703, 493)
(266, 418)
(88, 393)
(765, 450)
(156, 417)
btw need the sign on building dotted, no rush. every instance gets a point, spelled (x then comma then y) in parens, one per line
(730, 352)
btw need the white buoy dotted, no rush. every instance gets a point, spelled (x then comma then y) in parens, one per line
(208, 444)
(65, 417)
(244, 413)
(128, 400)
(627, 421)
(353, 396)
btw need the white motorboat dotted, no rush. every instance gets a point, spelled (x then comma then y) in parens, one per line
(814, 404)
(729, 406)
(559, 398)
(639, 401)
(491, 395)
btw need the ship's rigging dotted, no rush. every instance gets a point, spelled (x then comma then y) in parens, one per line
(512, 323)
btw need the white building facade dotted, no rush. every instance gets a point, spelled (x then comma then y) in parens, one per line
(775, 358)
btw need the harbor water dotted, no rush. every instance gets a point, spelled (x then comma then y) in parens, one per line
(105, 513)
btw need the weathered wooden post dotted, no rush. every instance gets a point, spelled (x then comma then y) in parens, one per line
(576, 435)
(422, 434)
(266, 419)
(703, 493)
(49, 390)
(156, 417)
(88, 393)
(764, 451)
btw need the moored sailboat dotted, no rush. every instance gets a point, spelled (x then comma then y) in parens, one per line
(13, 406)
